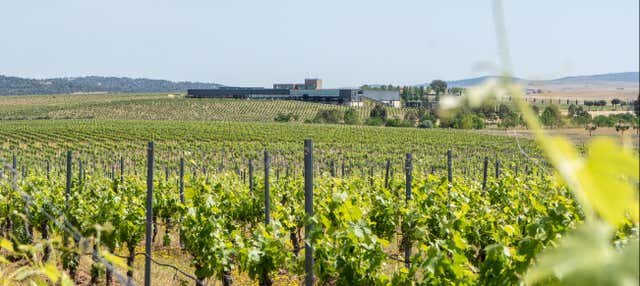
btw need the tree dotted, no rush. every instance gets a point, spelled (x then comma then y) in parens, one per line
(588, 103)
(602, 121)
(439, 86)
(509, 120)
(488, 110)
(425, 124)
(615, 102)
(332, 116)
(456, 91)
(412, 115)
(503, 111)
(551, 116)
(578, 115)
(572, 110)
(464, 119)
(581, 118)
(536, 109)
(379, 111)
(428, 89)
(590, 128)
(351, 117)
(622, 117)
(622, 127)
(478, 122)
(404, 95)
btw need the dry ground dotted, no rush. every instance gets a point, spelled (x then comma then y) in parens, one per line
(173, 255)
(577, 135)
(587, 94)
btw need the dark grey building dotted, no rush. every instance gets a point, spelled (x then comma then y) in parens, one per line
(387, 97)
(351, 97)
(237, 92)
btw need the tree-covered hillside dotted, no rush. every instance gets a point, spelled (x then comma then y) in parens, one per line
(25, 86)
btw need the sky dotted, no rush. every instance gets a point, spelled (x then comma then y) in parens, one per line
(345, 42)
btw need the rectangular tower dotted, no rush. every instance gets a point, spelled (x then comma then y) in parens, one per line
(313, 83)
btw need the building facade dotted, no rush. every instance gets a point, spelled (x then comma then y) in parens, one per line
(387, 97)
(309, 83)
(313, 83)
(310, 91)
(239, 93)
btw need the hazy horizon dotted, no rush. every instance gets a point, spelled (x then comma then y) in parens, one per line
(360, 84)
(254, 43)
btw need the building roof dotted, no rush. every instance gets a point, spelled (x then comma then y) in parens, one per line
(382, 95)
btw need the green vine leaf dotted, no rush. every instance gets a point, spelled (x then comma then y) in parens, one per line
(607, 178)
(598, 263)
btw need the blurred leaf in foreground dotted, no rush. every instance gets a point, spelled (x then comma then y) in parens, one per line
(586, 257)
(608, 179)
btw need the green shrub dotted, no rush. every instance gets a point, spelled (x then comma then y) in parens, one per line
(551, 116)
(397, 122)
(379, 111)
(603, 121)
(374, 121)
(331, 116)
(425, 124)
(286, 117)
(351, 117)
(468, 121)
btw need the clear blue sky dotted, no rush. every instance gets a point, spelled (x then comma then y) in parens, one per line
(345, 42)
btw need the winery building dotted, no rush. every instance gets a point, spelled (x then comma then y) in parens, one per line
(311, 91)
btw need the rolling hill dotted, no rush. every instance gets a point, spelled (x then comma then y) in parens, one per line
(477, 80)
(625, 77)
(157, 106)
(592, 81)
(93, 84)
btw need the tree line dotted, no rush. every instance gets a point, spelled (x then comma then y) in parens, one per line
(420, 93)
(501, 115)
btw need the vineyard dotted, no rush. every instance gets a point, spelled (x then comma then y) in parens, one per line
(161, 107)
(246, 203)
(458, 218)
(493, 180)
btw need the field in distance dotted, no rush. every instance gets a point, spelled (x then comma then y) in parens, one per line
(161, 107)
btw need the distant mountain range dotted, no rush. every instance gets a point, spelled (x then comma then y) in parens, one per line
(607, 79)
(626, 77)
(476, 81)
(93, 84)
